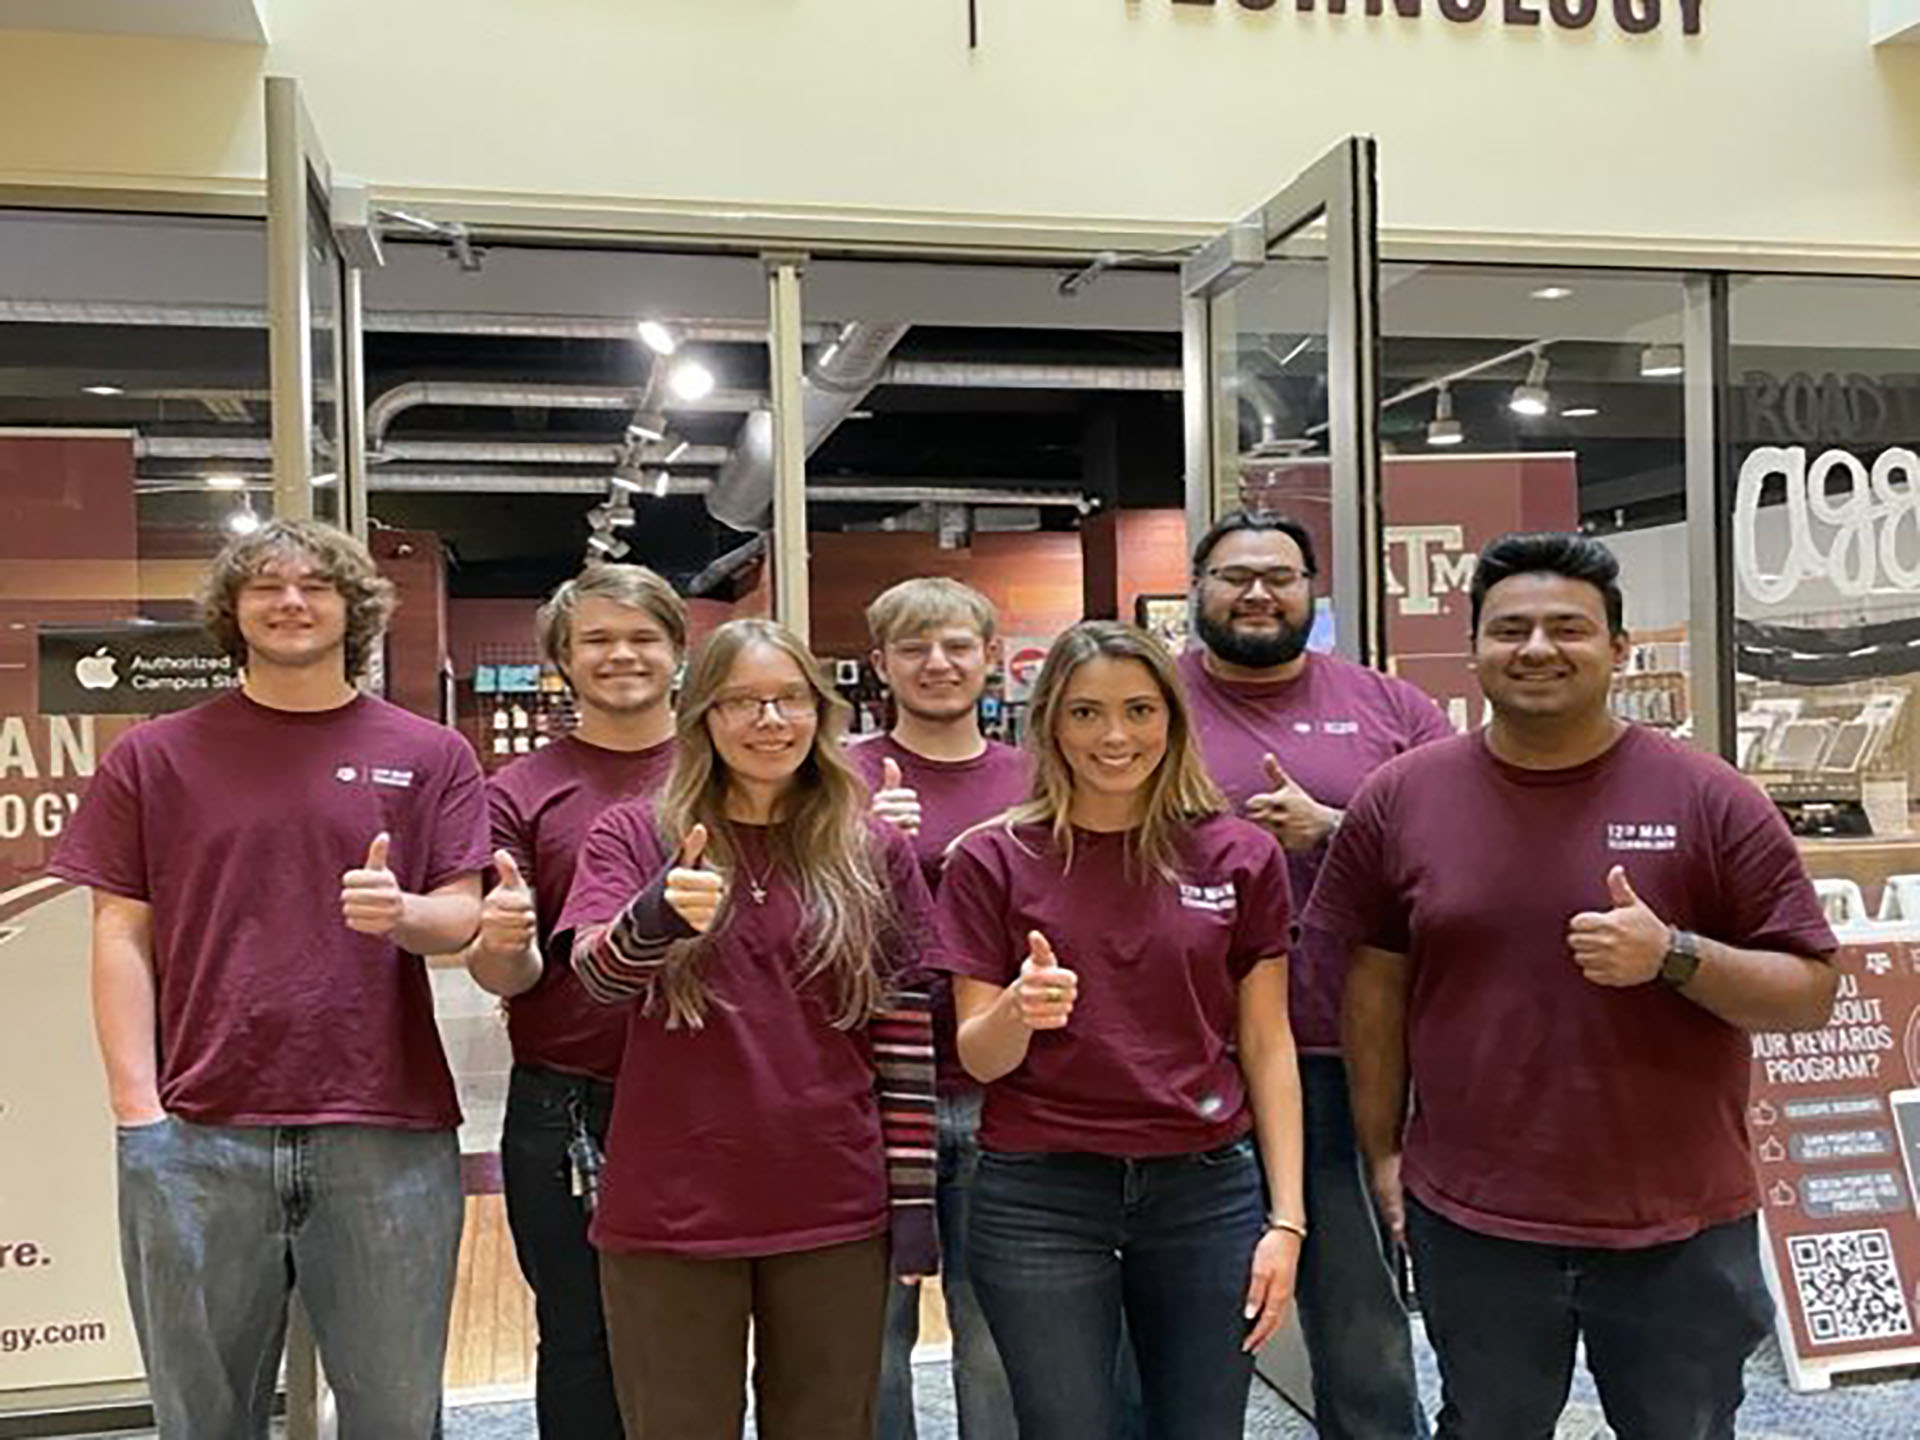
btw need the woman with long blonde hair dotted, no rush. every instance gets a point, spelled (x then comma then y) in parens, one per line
(769, 1157)
(1118, 945)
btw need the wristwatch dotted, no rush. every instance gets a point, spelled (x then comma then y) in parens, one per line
(1682, 959)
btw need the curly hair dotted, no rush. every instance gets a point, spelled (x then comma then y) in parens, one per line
(335, 556)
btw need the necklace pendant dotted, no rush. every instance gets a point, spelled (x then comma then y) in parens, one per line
(758, 891)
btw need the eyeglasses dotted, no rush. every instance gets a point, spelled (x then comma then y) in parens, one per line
(1242, 579)
(789, 705)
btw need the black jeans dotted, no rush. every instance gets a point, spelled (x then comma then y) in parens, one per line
(1064, 1245)
(1668, 1329)
(574, 1394)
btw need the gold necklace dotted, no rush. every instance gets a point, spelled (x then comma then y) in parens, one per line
(756, 884)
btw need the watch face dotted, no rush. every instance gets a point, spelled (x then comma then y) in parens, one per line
(1683, 958)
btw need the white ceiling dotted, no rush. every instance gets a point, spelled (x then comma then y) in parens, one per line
(1896, 22)
(242, 21)
(182, 261)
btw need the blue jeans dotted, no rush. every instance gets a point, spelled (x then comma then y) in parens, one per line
(1351, 1315)
(1668, 1329)
(1065, 1244)
(979, 1379)
(219, 1224)
(573, 1388)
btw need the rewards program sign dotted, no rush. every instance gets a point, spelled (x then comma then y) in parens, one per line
(1835, 1120)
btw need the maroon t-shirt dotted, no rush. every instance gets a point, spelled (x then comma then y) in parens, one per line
(541, 807)
(235, 823)
(758, 1134)
(1146, 1065)
(955, 796)
(1329, 727)
(1547, 1108)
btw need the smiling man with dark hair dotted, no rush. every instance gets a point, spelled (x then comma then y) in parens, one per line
(1561, 931)
(1289, 735)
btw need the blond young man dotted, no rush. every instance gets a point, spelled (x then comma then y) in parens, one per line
(617, 633)
(934, 775)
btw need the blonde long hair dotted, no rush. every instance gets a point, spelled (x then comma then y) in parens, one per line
(822, 840)
(1179, 792)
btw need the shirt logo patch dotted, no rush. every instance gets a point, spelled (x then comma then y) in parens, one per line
(1302, 727)
(1340, 727)
(397, 779)
(346, 774)
(1629, 836)
(1214, 899)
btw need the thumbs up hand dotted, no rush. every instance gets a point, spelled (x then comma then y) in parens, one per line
(1045, 992)
(893, 802)
(694, 892)
(1297, 820)
(371, 901)
(507, 912)
(1623, 946)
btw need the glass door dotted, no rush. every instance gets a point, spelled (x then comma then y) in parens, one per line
(319, 451)
(1282, 345)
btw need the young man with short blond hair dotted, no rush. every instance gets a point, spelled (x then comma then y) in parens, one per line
(617, 633)
(936, 775)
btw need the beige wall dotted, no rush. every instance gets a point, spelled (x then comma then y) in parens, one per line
(1780, 124)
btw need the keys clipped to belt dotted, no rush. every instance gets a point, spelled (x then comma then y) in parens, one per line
(584, 1160)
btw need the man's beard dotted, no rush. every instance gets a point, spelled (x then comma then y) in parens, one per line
(1252, 652)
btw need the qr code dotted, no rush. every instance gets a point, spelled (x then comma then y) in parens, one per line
(1849, 1287)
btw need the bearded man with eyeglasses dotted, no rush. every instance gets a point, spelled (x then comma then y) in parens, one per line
(1289, 734)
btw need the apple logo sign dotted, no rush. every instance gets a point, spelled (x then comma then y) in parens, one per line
(96, 671)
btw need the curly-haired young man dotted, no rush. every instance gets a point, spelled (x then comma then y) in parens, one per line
(264, 868)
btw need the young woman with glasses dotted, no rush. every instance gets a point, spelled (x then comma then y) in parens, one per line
(1119, 947)
(769, 1158)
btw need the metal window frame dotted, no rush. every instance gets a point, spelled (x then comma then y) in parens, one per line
(1706, 351)
(298, 172)
(1341, 189)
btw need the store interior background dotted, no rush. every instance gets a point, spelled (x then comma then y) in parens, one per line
(1021, 438)
(1018, 437)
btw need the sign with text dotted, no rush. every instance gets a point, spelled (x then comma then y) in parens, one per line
(1629, 17)
(136, 668)
(1835, 1121)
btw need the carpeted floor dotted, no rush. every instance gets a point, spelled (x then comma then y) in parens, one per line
(1888, 1409)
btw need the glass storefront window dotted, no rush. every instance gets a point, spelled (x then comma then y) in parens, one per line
(1825, 423)
(1518, 399)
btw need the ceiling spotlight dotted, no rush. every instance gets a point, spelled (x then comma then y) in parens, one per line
(624, 482)
(1444, 429)
(617, 517)
(691, 380)
(243, 521)
(663, 482)
(226, 482)
(326, 478)
(606, 546)
(1552, 292)
(1662, 362)
(1580, 412)
(1530, 397)
(103, 390)
(674, 454)
(657, 337)
(646, 430)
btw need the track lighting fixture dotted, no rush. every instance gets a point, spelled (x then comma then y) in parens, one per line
(1443, 429)
(1530, 397)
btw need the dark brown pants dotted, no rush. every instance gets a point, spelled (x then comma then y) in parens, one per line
(677, 1333)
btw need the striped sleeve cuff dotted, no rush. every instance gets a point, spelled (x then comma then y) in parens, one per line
(902, 1040)
(620, 961)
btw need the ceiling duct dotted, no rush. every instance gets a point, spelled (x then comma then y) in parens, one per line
(390, 404)
(837, 380)
(990, 375)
